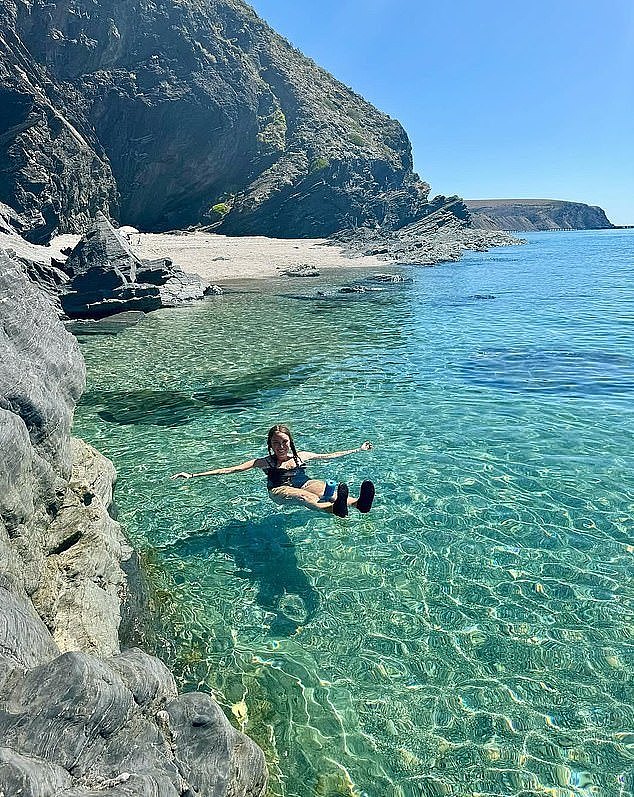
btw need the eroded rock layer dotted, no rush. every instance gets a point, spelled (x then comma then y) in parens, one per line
(442, 235)
(107, 278)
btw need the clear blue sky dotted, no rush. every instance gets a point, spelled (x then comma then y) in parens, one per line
(500, 99)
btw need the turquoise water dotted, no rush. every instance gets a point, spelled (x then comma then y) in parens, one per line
(472, 635)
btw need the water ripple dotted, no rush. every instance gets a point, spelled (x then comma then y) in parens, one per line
(473, 634)
(569, 373)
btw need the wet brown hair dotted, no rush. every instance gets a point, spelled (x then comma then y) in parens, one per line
(280, 429)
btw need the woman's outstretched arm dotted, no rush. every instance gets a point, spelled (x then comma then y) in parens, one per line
(243, 466)
(308, 455)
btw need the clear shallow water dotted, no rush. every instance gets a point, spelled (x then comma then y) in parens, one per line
(473, 634)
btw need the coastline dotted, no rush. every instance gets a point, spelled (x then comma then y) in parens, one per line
(221, 259)
(216, 258)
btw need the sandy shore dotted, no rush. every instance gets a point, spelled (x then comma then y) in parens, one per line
(217, 258)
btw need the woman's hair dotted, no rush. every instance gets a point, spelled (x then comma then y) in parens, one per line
(279, 428)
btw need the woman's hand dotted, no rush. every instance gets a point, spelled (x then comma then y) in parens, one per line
(183, 475)
(367, 446)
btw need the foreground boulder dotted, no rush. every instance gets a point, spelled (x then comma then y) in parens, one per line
(106, 277)
(79, 717)
(87, 726)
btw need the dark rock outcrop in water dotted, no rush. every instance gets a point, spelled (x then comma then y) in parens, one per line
(78, 717)
(177, 112)
(107, 278)
(524, 215)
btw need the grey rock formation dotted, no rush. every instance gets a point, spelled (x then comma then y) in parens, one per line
(30, 777)
(79, 718)
(524, 215)
(52, 165)
(107, 278)
(83, 584)
(303, 270)
(177, 112)
(47, 273)
(84, 726)
(202, 733)
(440, 236)
(41, 378)
(11, 223)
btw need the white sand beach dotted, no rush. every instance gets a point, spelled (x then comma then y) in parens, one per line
(217, 258)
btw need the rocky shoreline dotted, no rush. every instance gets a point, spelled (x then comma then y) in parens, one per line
(105, 272)
(78, 716)
(421, 245)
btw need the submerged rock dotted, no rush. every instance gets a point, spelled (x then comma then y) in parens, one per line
(213, 290)
(389, 278)
(110, 325)
(301, 271)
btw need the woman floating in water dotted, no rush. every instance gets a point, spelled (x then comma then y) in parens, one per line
(285, 469)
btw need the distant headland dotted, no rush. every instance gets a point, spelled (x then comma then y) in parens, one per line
(525, 215)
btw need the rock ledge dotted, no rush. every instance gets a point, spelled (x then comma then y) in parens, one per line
(79, 717)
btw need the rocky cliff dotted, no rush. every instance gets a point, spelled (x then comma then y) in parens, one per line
(105, 278)
(442, 235)
(168, 113)
(535, 214)
(78, 717)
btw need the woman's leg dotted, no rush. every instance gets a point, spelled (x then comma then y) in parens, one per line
(310, 493)
(300, 495)
(317, 487)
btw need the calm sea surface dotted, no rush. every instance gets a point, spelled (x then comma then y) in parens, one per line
(472, 635)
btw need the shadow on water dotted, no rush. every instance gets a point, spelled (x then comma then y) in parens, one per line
(571, 373)
(265, 555)
(175, 408)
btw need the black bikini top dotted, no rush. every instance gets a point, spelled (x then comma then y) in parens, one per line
(278, 477)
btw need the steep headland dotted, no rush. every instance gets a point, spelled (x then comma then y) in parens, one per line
(181, 112)
(524, 215)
